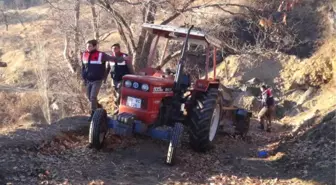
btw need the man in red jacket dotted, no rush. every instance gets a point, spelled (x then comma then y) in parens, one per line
(118, 70)
(267, 107)
(94, 71)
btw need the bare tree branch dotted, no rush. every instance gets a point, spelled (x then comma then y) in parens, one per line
(220, 6)
(128, 2)
(119, 18)
(55, 7)
(104, 36)
(66, 54)
(178, 13)
(123, 36)
(170, 57)
(5, 18)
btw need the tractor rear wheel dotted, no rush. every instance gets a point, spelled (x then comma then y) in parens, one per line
(98, 128)
(204, 120)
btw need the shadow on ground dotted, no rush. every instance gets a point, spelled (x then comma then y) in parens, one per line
(58, 153)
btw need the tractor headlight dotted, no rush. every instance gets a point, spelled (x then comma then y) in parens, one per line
(135, 85)
(145, 87)
(128, 83)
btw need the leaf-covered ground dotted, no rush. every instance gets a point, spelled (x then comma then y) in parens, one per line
(62, 157)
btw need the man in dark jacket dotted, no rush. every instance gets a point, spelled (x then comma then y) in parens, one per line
(267, 107)
(94, 71)
(118, 70)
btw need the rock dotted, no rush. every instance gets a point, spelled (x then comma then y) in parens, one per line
(299, 81)
(54, 106)
(245, 100)
(306, 122)
(27, 51)
(254, 81)
(233, 88)
(280, 111)
(292, 112)
(3, 64)
(287, 104)
(254, 91)
(307, 95)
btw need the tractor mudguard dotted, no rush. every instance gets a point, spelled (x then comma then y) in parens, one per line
(203, 85)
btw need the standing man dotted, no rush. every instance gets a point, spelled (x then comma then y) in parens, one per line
(118, 70)
(94, 71)
(267, 107)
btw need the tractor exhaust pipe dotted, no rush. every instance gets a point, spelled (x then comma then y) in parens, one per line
(180, 66)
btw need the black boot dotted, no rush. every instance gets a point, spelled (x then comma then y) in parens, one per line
(268, 129)
(91, 116)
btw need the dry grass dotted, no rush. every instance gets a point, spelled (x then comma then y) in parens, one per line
(19, 107)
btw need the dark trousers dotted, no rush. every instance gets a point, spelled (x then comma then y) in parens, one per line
(92, 91)
(117, 87)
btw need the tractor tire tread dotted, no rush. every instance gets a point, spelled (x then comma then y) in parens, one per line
(99, 116)
(200, 118)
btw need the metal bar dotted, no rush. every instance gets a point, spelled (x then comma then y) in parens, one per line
(207, 62)
(160, 134)
(214, 62)
(140, 128)
(120, 129)
(151, 53)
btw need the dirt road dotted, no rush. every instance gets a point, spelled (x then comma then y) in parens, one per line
(54, 155)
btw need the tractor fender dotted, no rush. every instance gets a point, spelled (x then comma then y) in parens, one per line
(202, 85)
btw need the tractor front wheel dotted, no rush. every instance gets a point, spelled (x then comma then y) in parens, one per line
(98, 128)
(204, 120)
(174, 142)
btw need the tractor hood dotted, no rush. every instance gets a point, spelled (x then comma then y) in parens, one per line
(150, 80)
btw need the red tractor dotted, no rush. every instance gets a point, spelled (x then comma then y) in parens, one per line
(153, 99)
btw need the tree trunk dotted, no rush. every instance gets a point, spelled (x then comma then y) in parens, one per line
(140, 58)
(123, 36)
(72, 57)
(66, 54)
(75, 55)
(94, 20)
